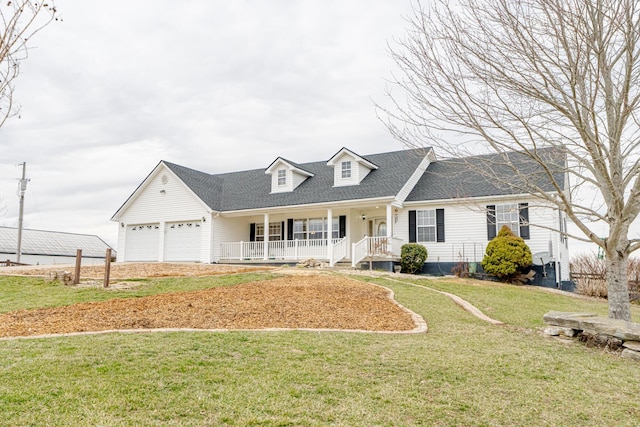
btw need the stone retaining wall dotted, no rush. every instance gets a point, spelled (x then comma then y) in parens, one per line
(615, 335)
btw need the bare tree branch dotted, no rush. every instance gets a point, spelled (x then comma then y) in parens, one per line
(20, 20)
(481, 76)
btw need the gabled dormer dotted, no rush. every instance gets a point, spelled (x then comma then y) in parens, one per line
(286, 175)
(349, 168)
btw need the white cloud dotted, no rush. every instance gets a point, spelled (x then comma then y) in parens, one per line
(213, 85)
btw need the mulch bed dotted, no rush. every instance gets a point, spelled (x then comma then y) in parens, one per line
(316, 301)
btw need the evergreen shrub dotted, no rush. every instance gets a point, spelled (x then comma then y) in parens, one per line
(412, 257)
(507, 256)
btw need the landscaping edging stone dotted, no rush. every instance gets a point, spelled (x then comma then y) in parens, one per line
(612, 334)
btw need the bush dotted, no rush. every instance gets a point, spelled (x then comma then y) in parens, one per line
(412, 257)
(507, 256)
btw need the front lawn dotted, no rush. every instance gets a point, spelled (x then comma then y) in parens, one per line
(462, 372)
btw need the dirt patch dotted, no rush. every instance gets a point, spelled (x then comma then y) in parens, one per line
(121, 271)
(295, 301)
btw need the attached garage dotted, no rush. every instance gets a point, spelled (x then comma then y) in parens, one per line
(182, 241)
(142, 242)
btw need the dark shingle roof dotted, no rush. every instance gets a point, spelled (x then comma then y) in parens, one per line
(41, 242)
(251, 189)
(489, 175)
(476, 176)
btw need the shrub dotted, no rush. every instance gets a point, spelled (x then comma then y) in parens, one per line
(506, 256)
(590, 276)
(412, 257)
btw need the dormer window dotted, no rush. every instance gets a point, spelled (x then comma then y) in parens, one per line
(346, 169)
(282, 178)
(286, 175)
(349, 168)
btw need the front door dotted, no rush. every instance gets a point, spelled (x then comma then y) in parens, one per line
(377, 227)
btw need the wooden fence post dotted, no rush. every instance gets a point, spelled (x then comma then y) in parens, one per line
(76, 275)
(107, 268)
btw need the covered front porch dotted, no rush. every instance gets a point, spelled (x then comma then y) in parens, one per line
(350, 234)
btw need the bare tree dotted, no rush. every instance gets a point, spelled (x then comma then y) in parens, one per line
(499, 76)
(20, 20)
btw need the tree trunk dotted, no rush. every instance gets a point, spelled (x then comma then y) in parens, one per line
(618, 284)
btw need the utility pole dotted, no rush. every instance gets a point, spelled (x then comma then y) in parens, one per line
(22, 188)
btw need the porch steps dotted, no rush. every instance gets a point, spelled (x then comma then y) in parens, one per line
(343, 265)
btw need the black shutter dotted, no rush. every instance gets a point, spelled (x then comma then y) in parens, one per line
(252, 232)
(491, 222)
(524, 220)
(282, 231)
(439, 225)
(412, 226)
(342, 228)
(290, 229)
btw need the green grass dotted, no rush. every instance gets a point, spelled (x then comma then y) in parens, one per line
(518, 305)
(18, 293)
(462, 372)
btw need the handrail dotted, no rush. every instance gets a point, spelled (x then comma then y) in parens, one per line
(359, 251)
(380, 246)
(339, 251)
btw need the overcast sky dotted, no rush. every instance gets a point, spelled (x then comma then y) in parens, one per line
(213, 85)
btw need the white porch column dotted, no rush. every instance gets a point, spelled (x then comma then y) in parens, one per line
(266, 237)
(390, 228)
(329, 234)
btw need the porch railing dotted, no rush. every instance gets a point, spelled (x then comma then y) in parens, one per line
(339, 251)
(281, 249)
(380, 247)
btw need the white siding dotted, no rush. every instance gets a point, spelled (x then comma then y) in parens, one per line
(358, 171)
(466, 230)
(363, 171)
(163, 198)
(338, 181)
(275, 188)
(228, 230)
(297, 179)
(293, 179)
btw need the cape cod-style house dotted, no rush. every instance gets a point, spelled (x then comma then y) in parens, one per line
(348, 208)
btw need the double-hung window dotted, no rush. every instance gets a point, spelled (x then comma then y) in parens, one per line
(299, 229)
(282, 177)
(508, 215)
(426, 225)
(275, 231)
(315, 228)
(346, 169)
(513, 215)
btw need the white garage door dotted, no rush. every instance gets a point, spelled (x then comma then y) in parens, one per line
(142, 242)
(182, 241)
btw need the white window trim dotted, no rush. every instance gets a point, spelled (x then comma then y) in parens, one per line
(282, 178)
(508, 214)
(275, 231)
(346, 169)
(304, 235)
(427, 223)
